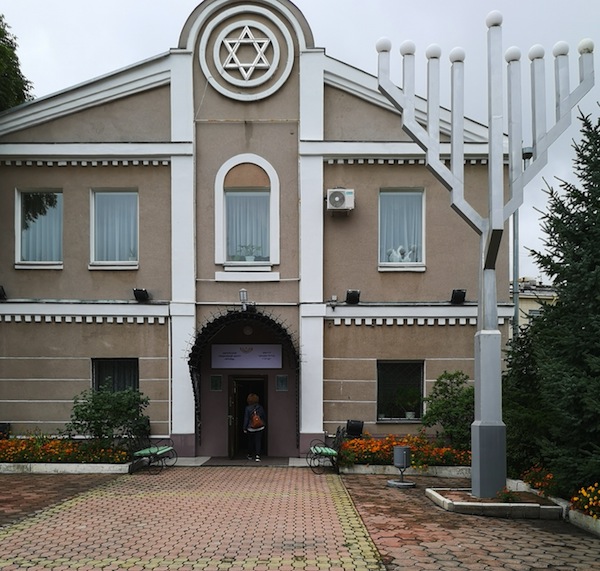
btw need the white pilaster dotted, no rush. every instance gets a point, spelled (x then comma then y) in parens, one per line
(312, 309)
(183, 291)
(312, 88)
(183, 245)
(311, 392)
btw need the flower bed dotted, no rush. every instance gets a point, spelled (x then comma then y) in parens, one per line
(585, 509)
(380, 451)
(587, 501)
(59, 450)
(541, 479)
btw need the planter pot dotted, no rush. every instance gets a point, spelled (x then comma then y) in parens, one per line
(586, 522)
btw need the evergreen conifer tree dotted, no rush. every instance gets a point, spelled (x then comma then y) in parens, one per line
(564, 341)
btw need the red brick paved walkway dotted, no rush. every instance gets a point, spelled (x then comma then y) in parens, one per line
(265, 518)
(412, 533)
(198, 518)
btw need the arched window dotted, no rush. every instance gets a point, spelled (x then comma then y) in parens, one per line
(247, 214)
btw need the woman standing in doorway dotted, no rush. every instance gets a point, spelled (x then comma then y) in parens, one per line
(254, 425)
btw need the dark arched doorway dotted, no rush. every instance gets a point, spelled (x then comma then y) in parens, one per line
(236, 353)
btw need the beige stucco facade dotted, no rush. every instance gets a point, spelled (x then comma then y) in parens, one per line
(181, 131)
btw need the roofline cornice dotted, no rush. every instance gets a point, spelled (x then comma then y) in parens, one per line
(145, 75)
(29, 153)
(383, 150)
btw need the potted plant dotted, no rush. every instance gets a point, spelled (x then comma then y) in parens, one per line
(249, 251)
(408, 400)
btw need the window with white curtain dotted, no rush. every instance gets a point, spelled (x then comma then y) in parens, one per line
(115, 223)
(41, 222)
(401, 227)
(247, 225)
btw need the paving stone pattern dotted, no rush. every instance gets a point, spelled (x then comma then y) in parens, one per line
(413, 534)
(198, 518)
(24, 494)
(265, 518)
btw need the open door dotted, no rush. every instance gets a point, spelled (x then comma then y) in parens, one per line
(239, 389)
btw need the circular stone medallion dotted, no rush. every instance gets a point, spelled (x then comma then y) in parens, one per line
(242, 57)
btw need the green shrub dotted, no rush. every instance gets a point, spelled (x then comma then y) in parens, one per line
(451, 405)
(109, 416)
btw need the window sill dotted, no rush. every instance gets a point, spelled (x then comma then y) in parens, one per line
(402, 268)
(114, 266)
(247, 266)
(398, 421)
(247, 275)
(39, 266)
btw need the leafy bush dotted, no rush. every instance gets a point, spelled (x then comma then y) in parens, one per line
(109, 416)
(380, 451)
(451, 405)
(587, 500)
(40, 448)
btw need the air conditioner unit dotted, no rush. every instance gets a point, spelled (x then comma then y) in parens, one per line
(340, 199)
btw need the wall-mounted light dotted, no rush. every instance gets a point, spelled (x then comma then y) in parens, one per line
(458, 296)
(353, 296)
(354, 428)
(141, 294)
(2, 294)
(244, 298)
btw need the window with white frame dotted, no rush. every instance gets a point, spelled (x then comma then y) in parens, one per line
(399, 390)
(401, 237)
(247, 218)
(247, 225)
(115, 226)
(40, 215)
(115, 374)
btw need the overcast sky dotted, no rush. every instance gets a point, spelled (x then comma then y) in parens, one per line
(66, 42)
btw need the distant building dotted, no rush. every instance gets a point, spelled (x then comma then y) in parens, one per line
(240, 214)
(532, 294)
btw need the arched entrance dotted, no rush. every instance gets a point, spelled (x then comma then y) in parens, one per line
(234, 354)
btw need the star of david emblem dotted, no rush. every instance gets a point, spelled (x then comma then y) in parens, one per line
(246, 61)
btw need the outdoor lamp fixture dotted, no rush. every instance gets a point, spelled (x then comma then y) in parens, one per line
(458, 296)
(244, 298)
(141, 295)
(333, 302)
(2, 294)
(354, 428)
(352, 296)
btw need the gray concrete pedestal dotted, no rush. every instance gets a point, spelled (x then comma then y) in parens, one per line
(488, 470)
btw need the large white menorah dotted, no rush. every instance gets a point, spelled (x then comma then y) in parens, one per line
(488, 432)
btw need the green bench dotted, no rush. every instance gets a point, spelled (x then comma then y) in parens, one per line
(154, 456)
(320, 456)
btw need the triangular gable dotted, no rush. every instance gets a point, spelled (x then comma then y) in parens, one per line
(143, 76)
(364, 85)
